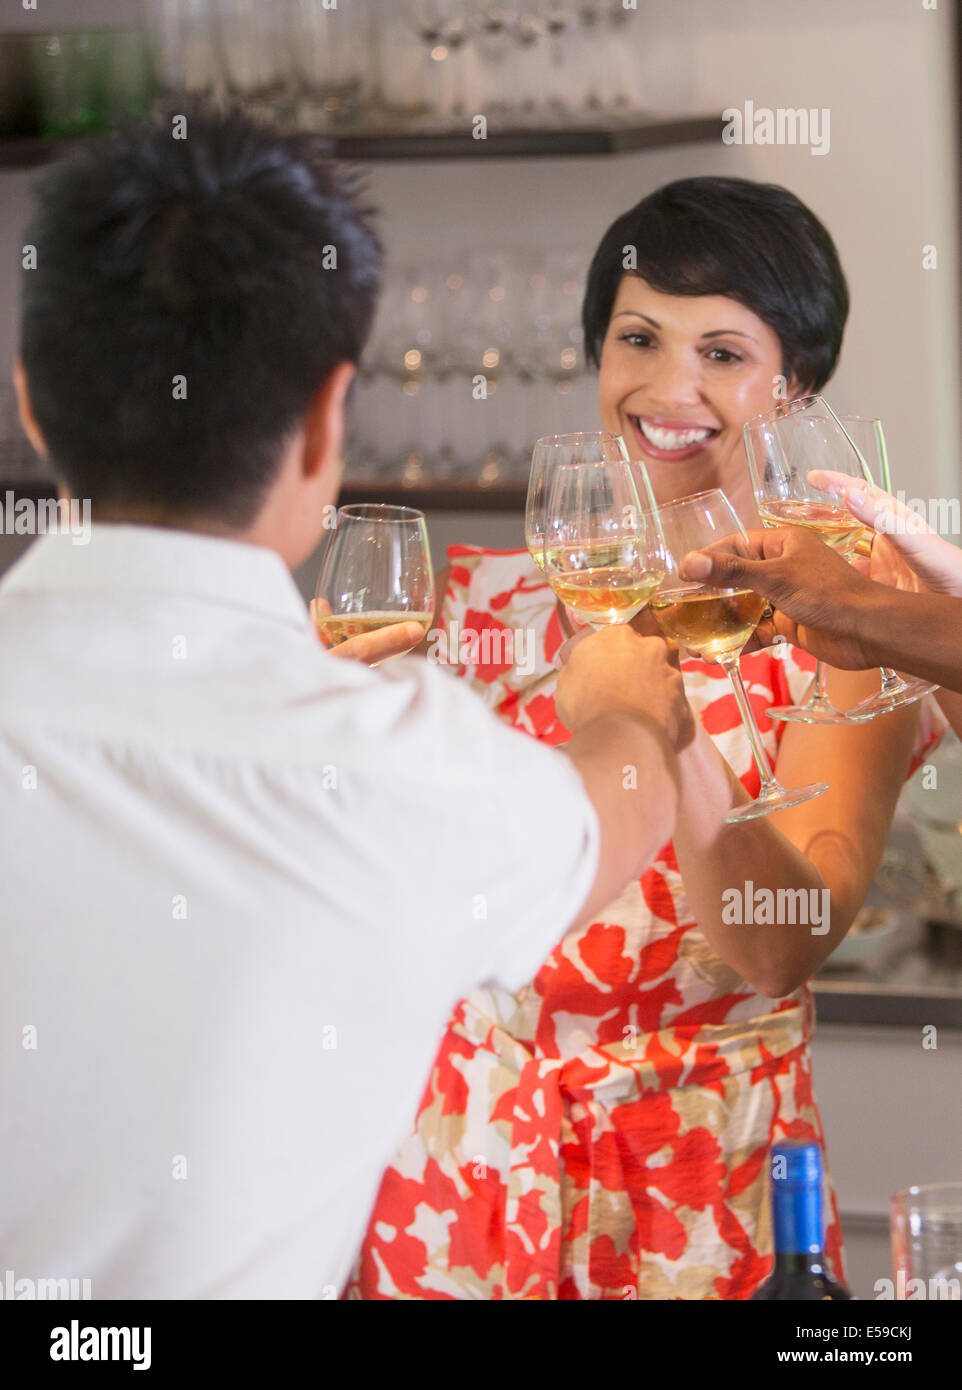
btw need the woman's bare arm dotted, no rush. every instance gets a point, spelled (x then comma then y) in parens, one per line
(832, 842)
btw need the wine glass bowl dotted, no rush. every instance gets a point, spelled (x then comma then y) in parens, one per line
(868, 438)
(602, 553)
(551, 450)
(716, 624)
(375, 572)
(782, 448)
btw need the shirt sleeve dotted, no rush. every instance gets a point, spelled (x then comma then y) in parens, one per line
(514, 837)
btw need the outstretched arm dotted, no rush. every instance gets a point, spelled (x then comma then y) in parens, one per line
(826, 606)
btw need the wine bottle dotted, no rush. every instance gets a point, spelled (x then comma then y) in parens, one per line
(800, 1272)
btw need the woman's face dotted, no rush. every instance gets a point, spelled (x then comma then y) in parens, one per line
(680, 375)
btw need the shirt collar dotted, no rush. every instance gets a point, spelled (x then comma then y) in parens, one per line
(121, 559)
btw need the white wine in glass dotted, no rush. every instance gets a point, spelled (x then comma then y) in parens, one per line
(716, 623)
(831, 522)
(336, 628)
(376, 572)
(603, 555)
(782, 447)
(596, 446)
(710, 622)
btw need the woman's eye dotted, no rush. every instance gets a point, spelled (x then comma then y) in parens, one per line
(720, 354)
(636, 339)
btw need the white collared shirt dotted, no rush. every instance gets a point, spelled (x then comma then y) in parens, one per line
(242, 882)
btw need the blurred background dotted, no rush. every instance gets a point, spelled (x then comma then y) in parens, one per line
(589, 105)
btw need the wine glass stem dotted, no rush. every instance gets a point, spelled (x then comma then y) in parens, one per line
(891, 680)
(732, 668)
(820, 691)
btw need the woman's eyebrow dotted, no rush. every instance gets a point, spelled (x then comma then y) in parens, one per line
(635, 314)
(714, 333)
(728, 332)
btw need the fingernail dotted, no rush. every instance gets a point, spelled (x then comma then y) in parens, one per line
(695, 566)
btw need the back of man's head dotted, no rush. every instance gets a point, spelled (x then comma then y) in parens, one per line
(190, 295)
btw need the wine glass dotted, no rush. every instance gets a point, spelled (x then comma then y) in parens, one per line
(603, 556)
(926, 1230)
(867, 437)
(548, 453)
(782, 447)
(376, 571)
(716, 623)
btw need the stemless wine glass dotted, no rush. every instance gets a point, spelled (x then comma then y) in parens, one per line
(375, 572)
(603, 556)
(782, 447)
(551, 451)
(716, 623)
(926, 1229)
(868, 439)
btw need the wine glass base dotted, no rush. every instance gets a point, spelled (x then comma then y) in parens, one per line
(908, 694)
(777, 798)
(815, 712)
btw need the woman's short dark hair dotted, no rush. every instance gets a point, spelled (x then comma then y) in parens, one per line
(754, 242)
(190, 296)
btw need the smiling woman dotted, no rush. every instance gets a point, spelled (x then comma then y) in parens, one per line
(603, 1133)
(733, 294)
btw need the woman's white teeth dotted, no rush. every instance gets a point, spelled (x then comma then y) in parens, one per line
(672, 439)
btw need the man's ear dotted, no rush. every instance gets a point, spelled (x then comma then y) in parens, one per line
(324, 425)
(25, 409)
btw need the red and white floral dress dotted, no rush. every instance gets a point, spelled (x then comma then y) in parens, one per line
(602, 1134)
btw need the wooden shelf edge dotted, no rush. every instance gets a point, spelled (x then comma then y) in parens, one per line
(532, 143)
(455, 497)
(32, 151)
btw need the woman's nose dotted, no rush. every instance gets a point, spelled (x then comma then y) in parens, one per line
(674, 382)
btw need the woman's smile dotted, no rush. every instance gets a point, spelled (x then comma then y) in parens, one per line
(670, 440)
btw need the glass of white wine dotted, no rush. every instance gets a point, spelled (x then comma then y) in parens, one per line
(602, 552)
(868, 439)
(782, 447)
(716, 624)
(375, 572)
(587, 447)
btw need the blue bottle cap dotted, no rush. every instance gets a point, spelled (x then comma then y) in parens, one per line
(797, 1197)
(796, 1162)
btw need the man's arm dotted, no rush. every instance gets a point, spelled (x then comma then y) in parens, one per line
(624, 701)
(918, 633)
(827, 607)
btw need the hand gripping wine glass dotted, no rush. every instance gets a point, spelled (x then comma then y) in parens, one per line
(376, 571)
(548, 453)
(716, 623)
(867, 437)
(782, 447)
(603, 554)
